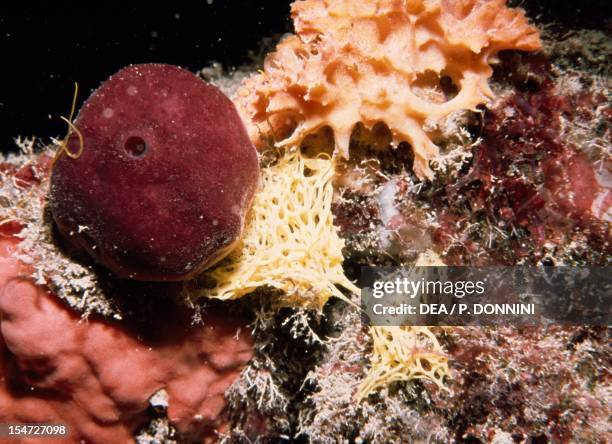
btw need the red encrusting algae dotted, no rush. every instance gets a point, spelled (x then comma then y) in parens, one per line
(97, 376)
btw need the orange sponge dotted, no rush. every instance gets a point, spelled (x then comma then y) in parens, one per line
(380, 61)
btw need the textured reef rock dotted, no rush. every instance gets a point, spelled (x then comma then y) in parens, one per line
(538, 186)
(165, 177)
(380, 61)
(507, 385)
(540, 384)
(524, 181)
(97, 376)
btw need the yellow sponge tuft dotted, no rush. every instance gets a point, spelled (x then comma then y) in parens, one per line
(404, 354)
(290, 243)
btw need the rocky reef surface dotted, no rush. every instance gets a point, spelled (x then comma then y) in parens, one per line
(523, 181)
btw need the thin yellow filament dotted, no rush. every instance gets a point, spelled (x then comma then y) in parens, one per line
(63, 147)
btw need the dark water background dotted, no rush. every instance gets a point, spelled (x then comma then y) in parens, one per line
(46, 48)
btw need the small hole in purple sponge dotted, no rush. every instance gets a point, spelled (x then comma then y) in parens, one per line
(135, 146)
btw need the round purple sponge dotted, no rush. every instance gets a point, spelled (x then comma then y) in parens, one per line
(165, 179)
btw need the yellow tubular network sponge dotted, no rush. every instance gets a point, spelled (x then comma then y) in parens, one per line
(375, 61)
(290, 242)
(404, 354)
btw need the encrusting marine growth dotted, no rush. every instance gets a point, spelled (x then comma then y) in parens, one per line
(156, 180)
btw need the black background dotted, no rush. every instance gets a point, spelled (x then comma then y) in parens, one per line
(45, 49)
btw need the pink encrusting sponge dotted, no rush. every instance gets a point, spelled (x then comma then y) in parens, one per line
(165, 176)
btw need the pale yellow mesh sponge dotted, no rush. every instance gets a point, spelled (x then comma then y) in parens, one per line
(290, 243)
(404, 354)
